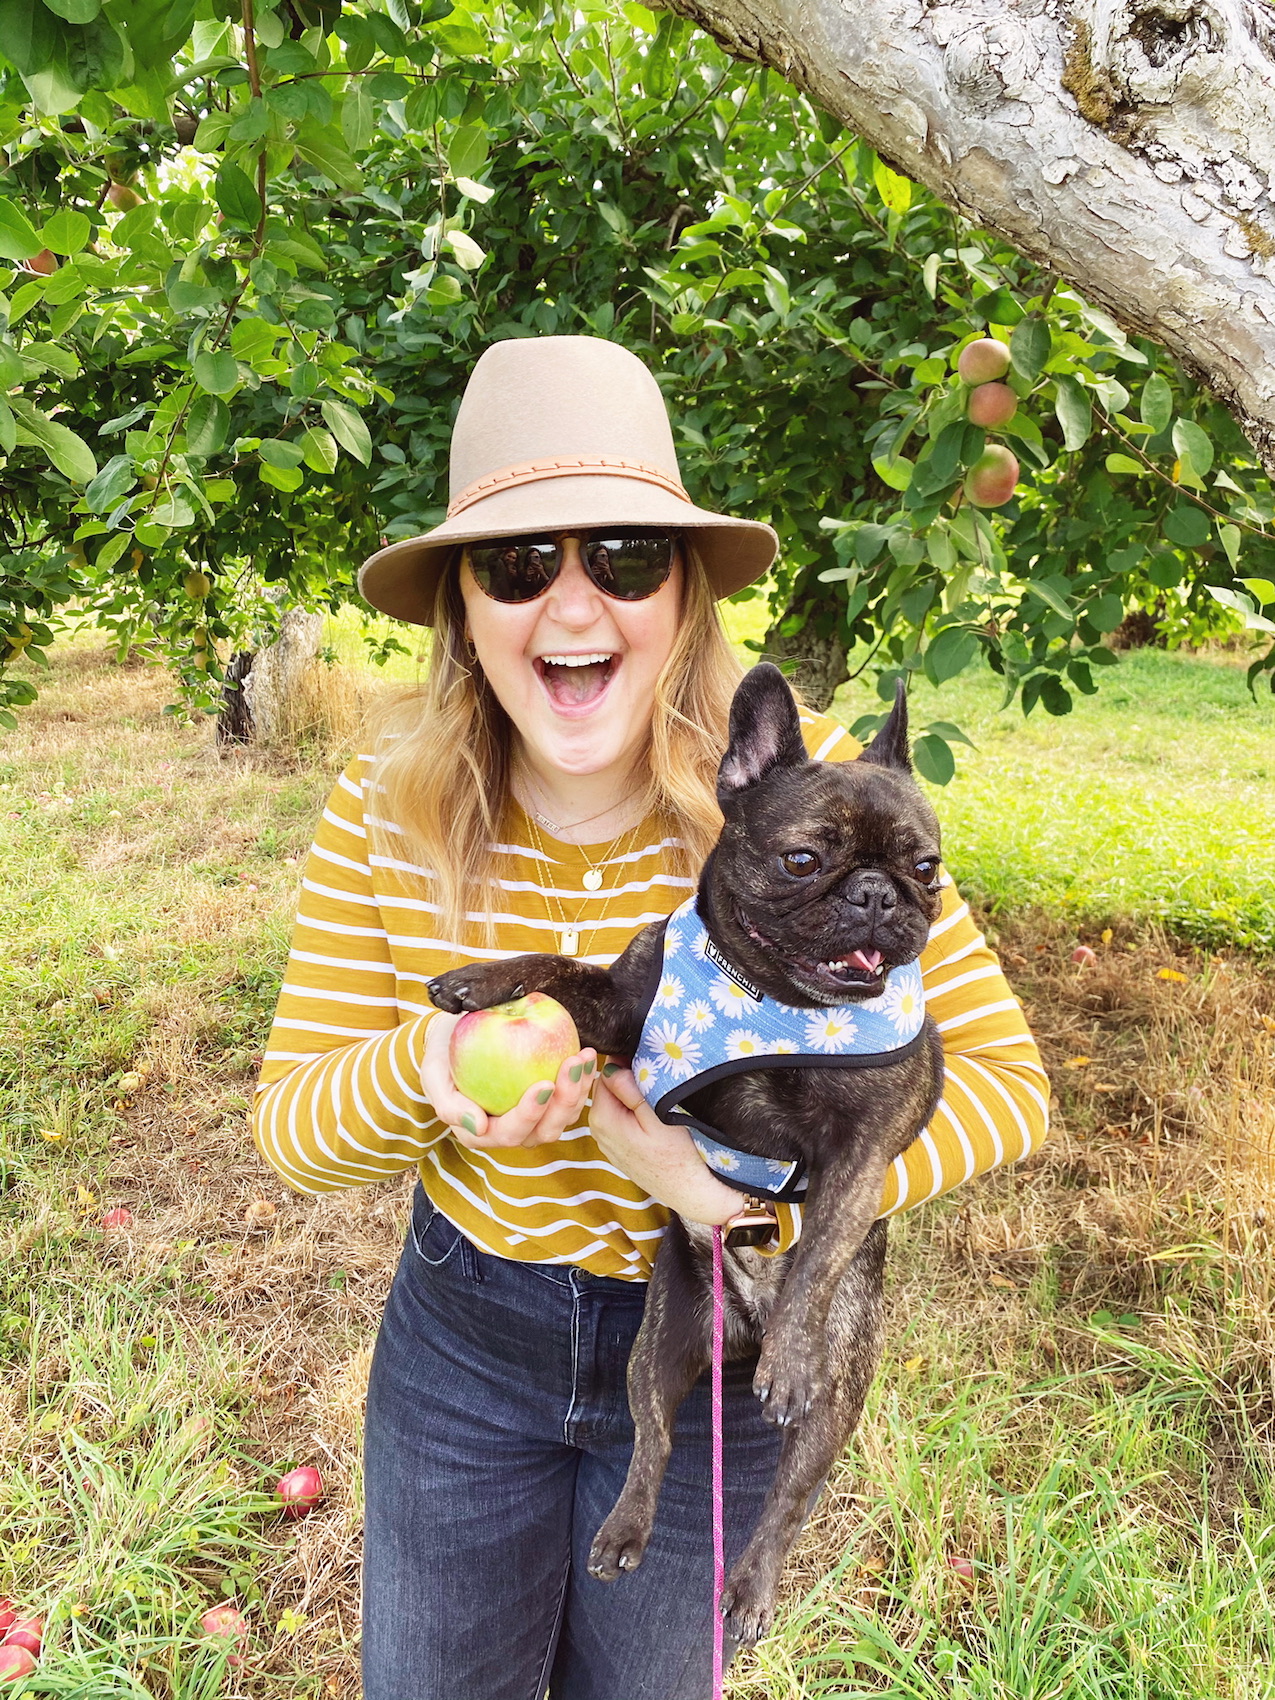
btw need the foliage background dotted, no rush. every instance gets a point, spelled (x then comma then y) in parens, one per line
(274, 239)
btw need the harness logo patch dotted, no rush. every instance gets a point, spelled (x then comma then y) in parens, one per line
(715, 956)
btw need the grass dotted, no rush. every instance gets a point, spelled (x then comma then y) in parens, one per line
(1078, 1395)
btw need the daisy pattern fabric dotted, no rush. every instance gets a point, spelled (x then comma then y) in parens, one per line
(706, 1021)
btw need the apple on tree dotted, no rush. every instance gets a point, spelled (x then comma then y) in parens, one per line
(983, 361)
(497, 1053)
(990, 482)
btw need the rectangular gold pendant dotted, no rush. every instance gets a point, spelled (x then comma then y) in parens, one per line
(569, 942)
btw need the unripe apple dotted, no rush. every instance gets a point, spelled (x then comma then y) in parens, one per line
(992, 405)
(990, 482)
(122, 198)
(27, 1632)
(44, 264)
(300, 1490)
(15, 1662)
(197, 585)
(983, 361)
(496, 1054)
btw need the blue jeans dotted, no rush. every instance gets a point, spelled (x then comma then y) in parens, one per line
(497, 1440)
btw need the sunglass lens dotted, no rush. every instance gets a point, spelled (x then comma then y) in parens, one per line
(630, 567)
(514, 569)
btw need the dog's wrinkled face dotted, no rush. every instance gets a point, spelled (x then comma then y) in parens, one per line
(825, 875)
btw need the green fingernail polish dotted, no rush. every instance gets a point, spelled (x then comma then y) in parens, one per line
(469, 1125)
(609, 1069)
(588, 1068)
(544, 1097)
(575, 1073)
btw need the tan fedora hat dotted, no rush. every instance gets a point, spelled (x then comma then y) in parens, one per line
(553, 432)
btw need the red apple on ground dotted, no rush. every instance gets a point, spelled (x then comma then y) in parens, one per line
(1083, 956)
(496, 1054)
(8, 1615)
(984, 361)
(300, 1490)
(990, 482)
(120, 1217)
(122, 198)
(963, 1568)
(228, 1622)
(15, 1662)
(44, 264)
(992, 405)
(27, 1632)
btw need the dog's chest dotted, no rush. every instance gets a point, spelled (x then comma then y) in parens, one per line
(789, 1113)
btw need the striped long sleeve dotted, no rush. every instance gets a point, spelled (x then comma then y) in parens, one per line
(340, 1103)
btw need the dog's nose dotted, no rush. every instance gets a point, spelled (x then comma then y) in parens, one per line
(868, 889)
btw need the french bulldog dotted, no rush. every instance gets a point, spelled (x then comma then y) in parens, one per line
(824, 878)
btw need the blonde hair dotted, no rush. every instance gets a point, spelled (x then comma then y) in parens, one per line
(443, 755)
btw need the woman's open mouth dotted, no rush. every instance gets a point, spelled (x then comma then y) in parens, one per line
(574, 683)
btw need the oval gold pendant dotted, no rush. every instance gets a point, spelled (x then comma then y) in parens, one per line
(593, 879)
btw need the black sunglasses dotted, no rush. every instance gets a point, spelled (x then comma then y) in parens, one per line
(629, 563)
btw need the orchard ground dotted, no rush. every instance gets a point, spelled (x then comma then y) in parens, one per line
(1077, 1401)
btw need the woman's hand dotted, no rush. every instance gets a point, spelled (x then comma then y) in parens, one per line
(544, 1113)
(659, 1157)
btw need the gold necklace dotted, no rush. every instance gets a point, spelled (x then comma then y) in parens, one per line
(569, 931)
(558, 827)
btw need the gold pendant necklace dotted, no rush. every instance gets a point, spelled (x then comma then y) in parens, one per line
(569, 931)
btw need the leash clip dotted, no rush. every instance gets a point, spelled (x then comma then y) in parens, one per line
(751, 1226)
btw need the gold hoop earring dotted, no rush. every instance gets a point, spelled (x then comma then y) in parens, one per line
(471, 649)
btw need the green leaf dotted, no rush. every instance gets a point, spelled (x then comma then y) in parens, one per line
(319, 450)
(1074, 412)
(480, 192)
(216, 373)
(70, 454)
(252, 122)
(895, 191)
(466, 252)
(66, 232)
(300, 248)
(282, 477)
(1029, 347)
(237, 195)
(467, 151)
(112, 549)
(75, 11)
(207, 425)
(1123, 463)
(999, 308)
(8, 428)
(1156, 405)
(18, 240)
(358, 117)
(1105, 613)
(445, 291)
(31, 35)
(1231, 539)
(252, 339)
(1262, 589)
(897, 473)
(1192, 443)
(933, 759)
(114, 481)
(1052, 597)
(348, 429)
(1187, 525)
(950, 733)
(389, 85)
(1241, 605)
(322, 151)
(275, 452)
(948, 653)
(660, 67)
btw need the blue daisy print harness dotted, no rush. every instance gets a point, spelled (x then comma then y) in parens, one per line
(706, 1021)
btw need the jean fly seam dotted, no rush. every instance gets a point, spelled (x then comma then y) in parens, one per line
(555, 1630)
(575, 1366)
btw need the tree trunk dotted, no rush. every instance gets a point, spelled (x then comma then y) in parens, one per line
(818, 650)
(258, 705)
(1127, 145)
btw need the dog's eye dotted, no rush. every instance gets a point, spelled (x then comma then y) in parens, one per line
(927, 870)
(800, 862)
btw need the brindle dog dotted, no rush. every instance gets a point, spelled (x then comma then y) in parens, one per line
(816, 862)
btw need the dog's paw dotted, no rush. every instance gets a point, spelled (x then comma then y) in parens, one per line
(748, 1607)
(787, 1383)
(476, 986)
(618, 1546)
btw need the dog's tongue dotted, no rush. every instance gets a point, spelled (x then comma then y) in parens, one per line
(868, 960)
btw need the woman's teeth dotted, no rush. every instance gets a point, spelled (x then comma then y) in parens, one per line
(574, 660)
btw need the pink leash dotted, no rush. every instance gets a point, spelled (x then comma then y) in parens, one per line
(719, 1550)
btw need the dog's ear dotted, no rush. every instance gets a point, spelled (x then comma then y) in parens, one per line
(890, 746)
(765, 732)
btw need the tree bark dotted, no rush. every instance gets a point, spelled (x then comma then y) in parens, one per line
(1126, 145)
(234, 722)
(261, 689)
(818, 649)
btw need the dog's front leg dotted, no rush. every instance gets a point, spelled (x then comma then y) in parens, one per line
(840, 1209)
(855, 1331)
(603, 1014)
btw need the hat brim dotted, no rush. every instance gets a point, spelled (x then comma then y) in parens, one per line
(401, 579)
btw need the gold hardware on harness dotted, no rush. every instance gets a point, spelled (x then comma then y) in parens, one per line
(751, 1226)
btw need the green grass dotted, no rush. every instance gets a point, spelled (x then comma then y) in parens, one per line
(1076, 1395)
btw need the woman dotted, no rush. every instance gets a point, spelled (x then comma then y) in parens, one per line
(551, 788)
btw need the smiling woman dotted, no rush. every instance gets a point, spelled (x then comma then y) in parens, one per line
(552, 788)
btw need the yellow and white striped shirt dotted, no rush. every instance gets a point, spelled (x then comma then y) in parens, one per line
(340, 1101)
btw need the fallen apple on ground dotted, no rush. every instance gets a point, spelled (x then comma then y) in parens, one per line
(300, 1490)
(1083, 955)
(496, 1054)
(227, 1622)
(120, 1217)
(8, 1616)
(15, 1662)
(27, 1632)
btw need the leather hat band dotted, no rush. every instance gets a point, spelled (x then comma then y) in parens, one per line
(562, 466)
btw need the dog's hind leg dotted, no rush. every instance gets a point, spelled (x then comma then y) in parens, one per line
(855, 1332)
(668, 1357)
